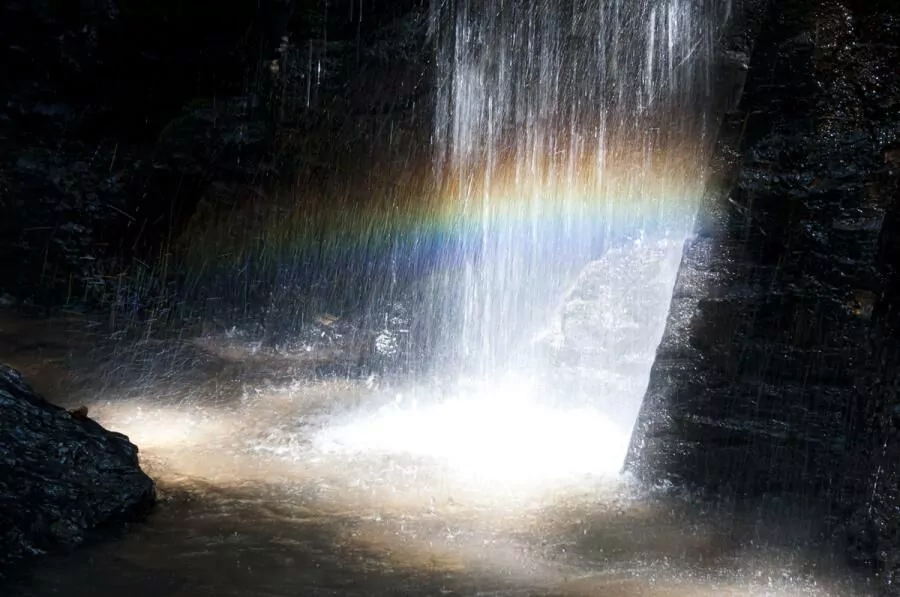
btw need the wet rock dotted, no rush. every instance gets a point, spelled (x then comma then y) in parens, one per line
(62, 476)
(776, 368)
(617, 305)
(771, 302)
(60, 203)
(325, 345)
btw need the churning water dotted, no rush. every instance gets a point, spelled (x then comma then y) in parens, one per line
(565, 134)
(250, 506)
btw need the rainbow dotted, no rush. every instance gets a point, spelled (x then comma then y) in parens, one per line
(407, 219)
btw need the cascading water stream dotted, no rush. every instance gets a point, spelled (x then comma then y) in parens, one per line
(563, 128)
(564, 134)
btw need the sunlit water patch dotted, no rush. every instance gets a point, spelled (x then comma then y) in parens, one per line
(543, 425)
(498, 435)
(258, 500)
(253, 505)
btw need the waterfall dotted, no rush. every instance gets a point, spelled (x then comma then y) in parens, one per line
(560, 130)
(570, 146)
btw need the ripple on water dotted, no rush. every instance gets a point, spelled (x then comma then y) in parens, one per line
(258, 500)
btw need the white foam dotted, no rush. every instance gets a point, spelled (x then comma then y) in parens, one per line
(495, 433)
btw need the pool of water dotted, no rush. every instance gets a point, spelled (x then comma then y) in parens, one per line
(285, 485)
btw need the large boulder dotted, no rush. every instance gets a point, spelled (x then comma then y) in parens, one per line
(781, 293)
(777, 372)
(62, 476)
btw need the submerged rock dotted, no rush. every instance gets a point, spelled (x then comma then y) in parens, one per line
(62, 476)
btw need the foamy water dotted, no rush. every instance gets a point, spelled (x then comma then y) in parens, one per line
(295, 489)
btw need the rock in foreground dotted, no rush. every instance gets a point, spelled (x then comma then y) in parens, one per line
(61, 478)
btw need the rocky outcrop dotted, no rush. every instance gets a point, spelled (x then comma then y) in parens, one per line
(776, 370)
(62, 476)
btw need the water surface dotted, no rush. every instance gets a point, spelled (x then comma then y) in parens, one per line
(252, 504)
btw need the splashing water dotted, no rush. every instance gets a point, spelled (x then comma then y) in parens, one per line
(524, 429)
(561, 133)
(493, 433)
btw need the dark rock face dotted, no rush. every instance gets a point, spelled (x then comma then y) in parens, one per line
(87, 90)
(777, 371)
(62, 476)
(121, 120)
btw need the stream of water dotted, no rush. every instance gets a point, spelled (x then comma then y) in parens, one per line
(561, 129)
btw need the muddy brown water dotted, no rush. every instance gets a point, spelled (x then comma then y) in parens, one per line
(247, 508)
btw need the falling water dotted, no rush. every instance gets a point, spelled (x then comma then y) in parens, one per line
(570, 144)
(563, 129)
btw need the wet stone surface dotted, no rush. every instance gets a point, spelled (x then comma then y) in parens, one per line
(776, 370)
(62, 476)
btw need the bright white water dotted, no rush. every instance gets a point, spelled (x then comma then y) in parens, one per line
(572, 138)
(562, 129)
(559, 421)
